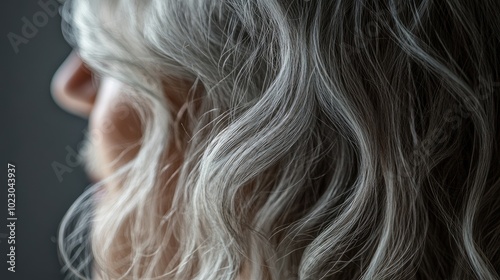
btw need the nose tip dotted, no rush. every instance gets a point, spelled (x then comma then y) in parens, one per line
(73, 88)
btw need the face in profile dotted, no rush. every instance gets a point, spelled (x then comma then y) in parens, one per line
(115, 128)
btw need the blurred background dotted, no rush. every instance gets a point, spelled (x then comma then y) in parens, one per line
(37, 136)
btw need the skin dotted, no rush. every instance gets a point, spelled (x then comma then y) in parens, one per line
(114, 127)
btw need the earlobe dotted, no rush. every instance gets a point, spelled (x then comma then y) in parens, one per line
(73, 87)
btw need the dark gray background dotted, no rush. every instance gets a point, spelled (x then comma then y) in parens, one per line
(35, 133)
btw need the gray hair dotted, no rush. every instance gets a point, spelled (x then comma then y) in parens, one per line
(330, 139)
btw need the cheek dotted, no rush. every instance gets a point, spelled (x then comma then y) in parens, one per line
(115, 128)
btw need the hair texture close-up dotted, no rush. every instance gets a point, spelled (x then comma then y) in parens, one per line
(321, 139)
